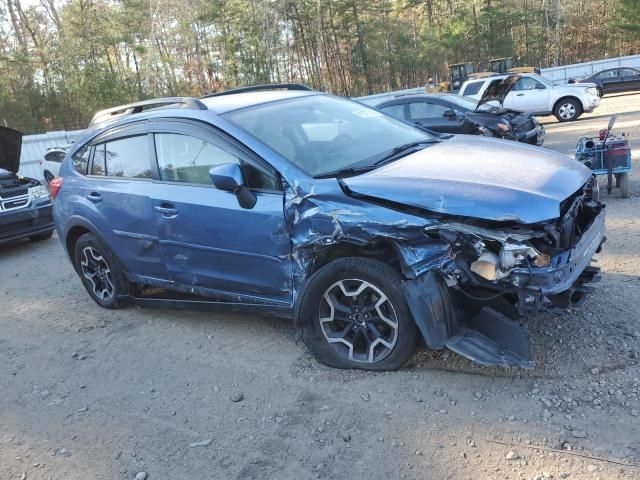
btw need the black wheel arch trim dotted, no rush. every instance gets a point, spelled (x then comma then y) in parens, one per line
(75, 222)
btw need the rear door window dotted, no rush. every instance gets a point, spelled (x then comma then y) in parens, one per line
(128, 157)
(395, 111)
(418, 110)
(607, 74)
(472, 88)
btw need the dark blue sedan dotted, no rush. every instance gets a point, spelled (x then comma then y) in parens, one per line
(373, 235)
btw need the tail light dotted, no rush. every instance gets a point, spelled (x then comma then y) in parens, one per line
(55, 185)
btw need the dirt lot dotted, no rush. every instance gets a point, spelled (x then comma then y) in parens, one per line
(87, 393)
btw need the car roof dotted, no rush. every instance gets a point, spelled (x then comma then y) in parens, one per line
(212, 104)
(410, 96)
(227, 103)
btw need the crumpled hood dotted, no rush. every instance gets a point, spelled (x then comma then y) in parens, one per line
(478, 177)
(10, 148)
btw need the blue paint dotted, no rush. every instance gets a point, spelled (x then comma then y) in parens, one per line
(198, 239)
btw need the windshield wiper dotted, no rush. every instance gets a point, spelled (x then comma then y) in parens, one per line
(396, 152)
(341, 172)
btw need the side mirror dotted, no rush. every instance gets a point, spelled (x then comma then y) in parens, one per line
(539, 86)
(228, 177)
(450, 114)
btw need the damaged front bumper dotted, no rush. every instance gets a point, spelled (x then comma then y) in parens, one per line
(562, 283)
(486, 332)
(534, 136)
(25, 223)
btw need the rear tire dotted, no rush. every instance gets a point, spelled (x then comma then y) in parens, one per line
(354, 315)
(567, 109)
(99, 271)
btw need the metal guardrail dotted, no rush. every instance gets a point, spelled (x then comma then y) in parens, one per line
(35, 146)
(564, 73)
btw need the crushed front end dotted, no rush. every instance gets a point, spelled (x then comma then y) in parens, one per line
(502, 272)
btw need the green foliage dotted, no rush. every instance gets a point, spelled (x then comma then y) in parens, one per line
(627, 18)
(61, 60)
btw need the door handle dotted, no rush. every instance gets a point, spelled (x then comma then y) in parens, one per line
(520, 95)
(94, 197)
(166, 210)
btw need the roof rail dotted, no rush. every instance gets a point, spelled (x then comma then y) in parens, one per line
(258, 88)
(408, 94)
(137, 107)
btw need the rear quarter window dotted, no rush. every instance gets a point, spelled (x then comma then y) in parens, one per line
(472, 88)
(81, 160)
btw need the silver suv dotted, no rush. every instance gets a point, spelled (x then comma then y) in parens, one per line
(535, 94)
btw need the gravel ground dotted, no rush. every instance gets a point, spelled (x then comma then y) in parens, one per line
(87, 393)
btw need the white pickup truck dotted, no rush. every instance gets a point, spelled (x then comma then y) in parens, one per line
(535, 94)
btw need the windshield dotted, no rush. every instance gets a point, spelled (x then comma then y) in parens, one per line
(322, 134)
(463, 102)
(469, 104)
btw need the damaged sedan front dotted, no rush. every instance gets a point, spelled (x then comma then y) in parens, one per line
(370, 233)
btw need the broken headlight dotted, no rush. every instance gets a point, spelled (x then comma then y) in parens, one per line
(511, 255)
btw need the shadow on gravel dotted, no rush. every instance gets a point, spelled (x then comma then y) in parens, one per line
(20, 247)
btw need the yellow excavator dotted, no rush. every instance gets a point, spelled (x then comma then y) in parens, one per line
(505, 65)
(461, 72)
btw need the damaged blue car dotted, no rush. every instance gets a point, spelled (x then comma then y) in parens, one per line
(373, 235)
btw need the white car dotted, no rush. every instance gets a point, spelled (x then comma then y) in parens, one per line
(52, 160)
(535, 94)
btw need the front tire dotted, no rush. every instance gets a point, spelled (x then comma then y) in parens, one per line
(354, 315)
(99, 271)
(567, 110)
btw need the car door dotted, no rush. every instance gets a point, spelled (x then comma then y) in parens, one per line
(116, 197)
(629, 79)
(528, 95)
(209, 241)
(435, 116)
(609, 80)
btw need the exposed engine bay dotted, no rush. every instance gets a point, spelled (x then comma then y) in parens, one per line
(14, 190)
(501, 275)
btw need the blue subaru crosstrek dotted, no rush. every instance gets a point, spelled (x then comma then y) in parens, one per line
(371, 234)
